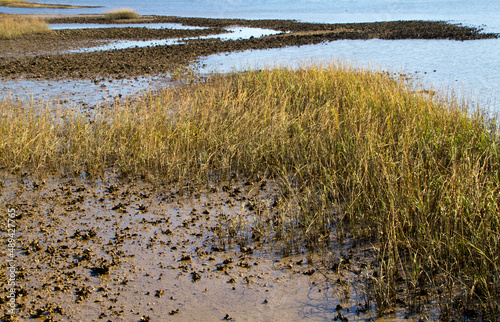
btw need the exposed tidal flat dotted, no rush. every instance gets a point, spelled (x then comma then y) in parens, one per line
(161, 59)
(316, 193)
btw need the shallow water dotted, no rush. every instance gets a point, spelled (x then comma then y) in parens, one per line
(141, 232)
(90, 93)
(79, 92)
(471, 12)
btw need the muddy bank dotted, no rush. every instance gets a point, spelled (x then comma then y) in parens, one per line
(67, 39)
(400, 29)
(133, 251)
(164, 59)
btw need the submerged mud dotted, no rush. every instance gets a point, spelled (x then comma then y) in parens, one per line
(133, 251)
(39, 56)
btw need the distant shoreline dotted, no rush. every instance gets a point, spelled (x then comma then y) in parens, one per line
(28, 4)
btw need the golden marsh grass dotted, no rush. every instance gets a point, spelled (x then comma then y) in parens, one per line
(15, 28)
(123, 13)
(418, 177)
(16, 3)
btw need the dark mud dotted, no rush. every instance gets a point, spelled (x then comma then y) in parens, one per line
(397, 29)
(66, 39)
(132, 251)
(164, 59)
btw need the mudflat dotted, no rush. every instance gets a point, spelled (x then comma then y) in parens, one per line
(42, 55)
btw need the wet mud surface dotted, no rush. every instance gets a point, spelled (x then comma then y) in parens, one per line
(39, 56)
(84, 93)
(66, 39)
(133, 251)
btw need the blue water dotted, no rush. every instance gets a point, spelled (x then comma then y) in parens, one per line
(467, 70)
(470, 67)
(476, 12)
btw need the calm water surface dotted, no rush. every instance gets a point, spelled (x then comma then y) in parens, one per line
(470, 67)
(473, 12)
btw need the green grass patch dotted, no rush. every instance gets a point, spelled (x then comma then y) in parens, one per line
(418, 177)
(16, 28)
(119, 14)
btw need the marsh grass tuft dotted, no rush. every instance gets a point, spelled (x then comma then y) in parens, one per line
(15, 28)
(356, 152)
(123, 13)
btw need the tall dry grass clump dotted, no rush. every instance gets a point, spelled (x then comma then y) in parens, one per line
(15, 28)
(123, 13)
(417, 177)
(29, 4)
(20, 4)
(14, 3)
